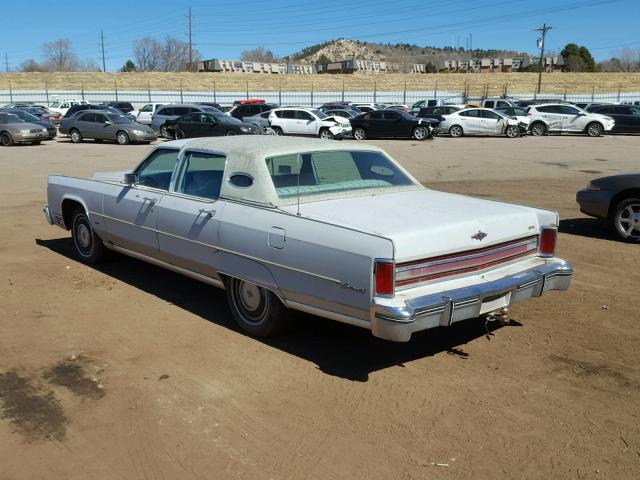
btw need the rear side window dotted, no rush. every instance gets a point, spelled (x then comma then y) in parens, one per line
(471, 113)
(168, 111)
(334, 171)
(375, 116)
(550, 109)
(202, 175)
(156, 170)
(87, 117)
(391, 115)
(570, 110)
(489, 104)
(288, 114)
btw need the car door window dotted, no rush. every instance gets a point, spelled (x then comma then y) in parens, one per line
(100, 118)
(567, 110)
(490, 115)
(489, 104)
(147, 108)
(376, 116)
(302, 115)
(157, 169)
(191, 118)
(288, 114)
(471, 113)
(87, 117)
(202, 175)
(391, 115)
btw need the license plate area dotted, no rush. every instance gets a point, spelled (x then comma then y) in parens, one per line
(495, 302)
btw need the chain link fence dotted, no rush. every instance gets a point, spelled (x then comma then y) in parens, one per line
(288, 98)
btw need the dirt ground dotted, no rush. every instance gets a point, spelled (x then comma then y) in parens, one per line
(127, 371)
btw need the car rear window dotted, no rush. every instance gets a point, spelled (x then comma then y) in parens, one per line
(333, 171)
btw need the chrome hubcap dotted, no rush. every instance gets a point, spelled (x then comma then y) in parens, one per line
(250, 296)
(629, 221)
(594, 130)
(359, 135)
(419, 133)
(84, 236)
(538, 130)
(75, 136)
(122, 138)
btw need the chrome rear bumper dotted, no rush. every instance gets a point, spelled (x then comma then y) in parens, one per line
(397, 323)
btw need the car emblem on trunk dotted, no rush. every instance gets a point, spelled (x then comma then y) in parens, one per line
(479, 236)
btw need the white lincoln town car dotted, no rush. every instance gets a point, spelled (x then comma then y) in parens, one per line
(339, 231)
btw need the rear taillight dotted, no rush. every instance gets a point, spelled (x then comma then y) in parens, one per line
(384, 272)
(547, 243)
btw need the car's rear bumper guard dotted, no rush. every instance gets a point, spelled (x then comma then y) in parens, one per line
(442, 309)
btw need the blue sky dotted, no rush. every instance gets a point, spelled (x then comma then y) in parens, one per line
(224, 28)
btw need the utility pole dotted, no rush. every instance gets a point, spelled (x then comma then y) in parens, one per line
(104, 66)
(544, 29)
(6, 61)
(190, 44)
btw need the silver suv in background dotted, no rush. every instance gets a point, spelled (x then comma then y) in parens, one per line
(564, 118)
(307, 121)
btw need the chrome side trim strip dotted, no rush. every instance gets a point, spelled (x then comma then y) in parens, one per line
(188, 273)
(358, 322)
(225, 250)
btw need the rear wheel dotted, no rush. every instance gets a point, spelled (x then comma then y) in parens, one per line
(122, 138)
(420, 133)
(512, 131)
(86, 244)
(456, 131)
(76, 136)
(538, 129)
(230, 133)
(6, 139)
(594, 129)
(257, 311)
(360, 134)
(277, 130)
(180, 134)
(326, 134)
(625, 219)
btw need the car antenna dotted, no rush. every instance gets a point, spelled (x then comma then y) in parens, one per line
(298, 178)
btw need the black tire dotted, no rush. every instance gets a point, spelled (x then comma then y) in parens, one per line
(6, 139)
(538, 129)
(257, 311)
(594, 129)
(87, 245)
(277, 130)
(36, 142)
(456, 131)
(420, 133)
(512, 131)
(75, 135)
(179, 135)
(122, 138)
(624, 216)
(326, 134)
(164, 132)
(230, 133)
(360, 134)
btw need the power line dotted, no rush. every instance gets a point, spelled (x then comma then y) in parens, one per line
(190, 44)
(544, 29)
(104, 67)
(6, 61)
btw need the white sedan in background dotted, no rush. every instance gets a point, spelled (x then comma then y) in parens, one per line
(480, 121)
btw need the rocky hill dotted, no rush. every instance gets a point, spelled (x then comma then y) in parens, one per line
(346, 49)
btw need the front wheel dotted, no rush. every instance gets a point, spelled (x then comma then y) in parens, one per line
(360, 134)
(512, 131)
(86, 244)
(594, 129)
(230, 133)
(256, 310)
(420, 133)
(76, 136)
(179, 135)
(456, 131)
(326, 134)
(277, 131)
(122, 138)
(626, 220)
(164, 132)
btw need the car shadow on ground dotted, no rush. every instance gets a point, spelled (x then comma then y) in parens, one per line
(587, 227)
(337, 349)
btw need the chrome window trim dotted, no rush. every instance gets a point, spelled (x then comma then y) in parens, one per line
(179, 172)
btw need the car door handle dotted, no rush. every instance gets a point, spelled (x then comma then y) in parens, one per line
(152, 201)
(207, 213)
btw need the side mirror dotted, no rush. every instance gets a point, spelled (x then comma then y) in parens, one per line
(108, 122)
(130, 178)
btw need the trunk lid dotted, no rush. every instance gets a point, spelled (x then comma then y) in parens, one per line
(428, 223)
